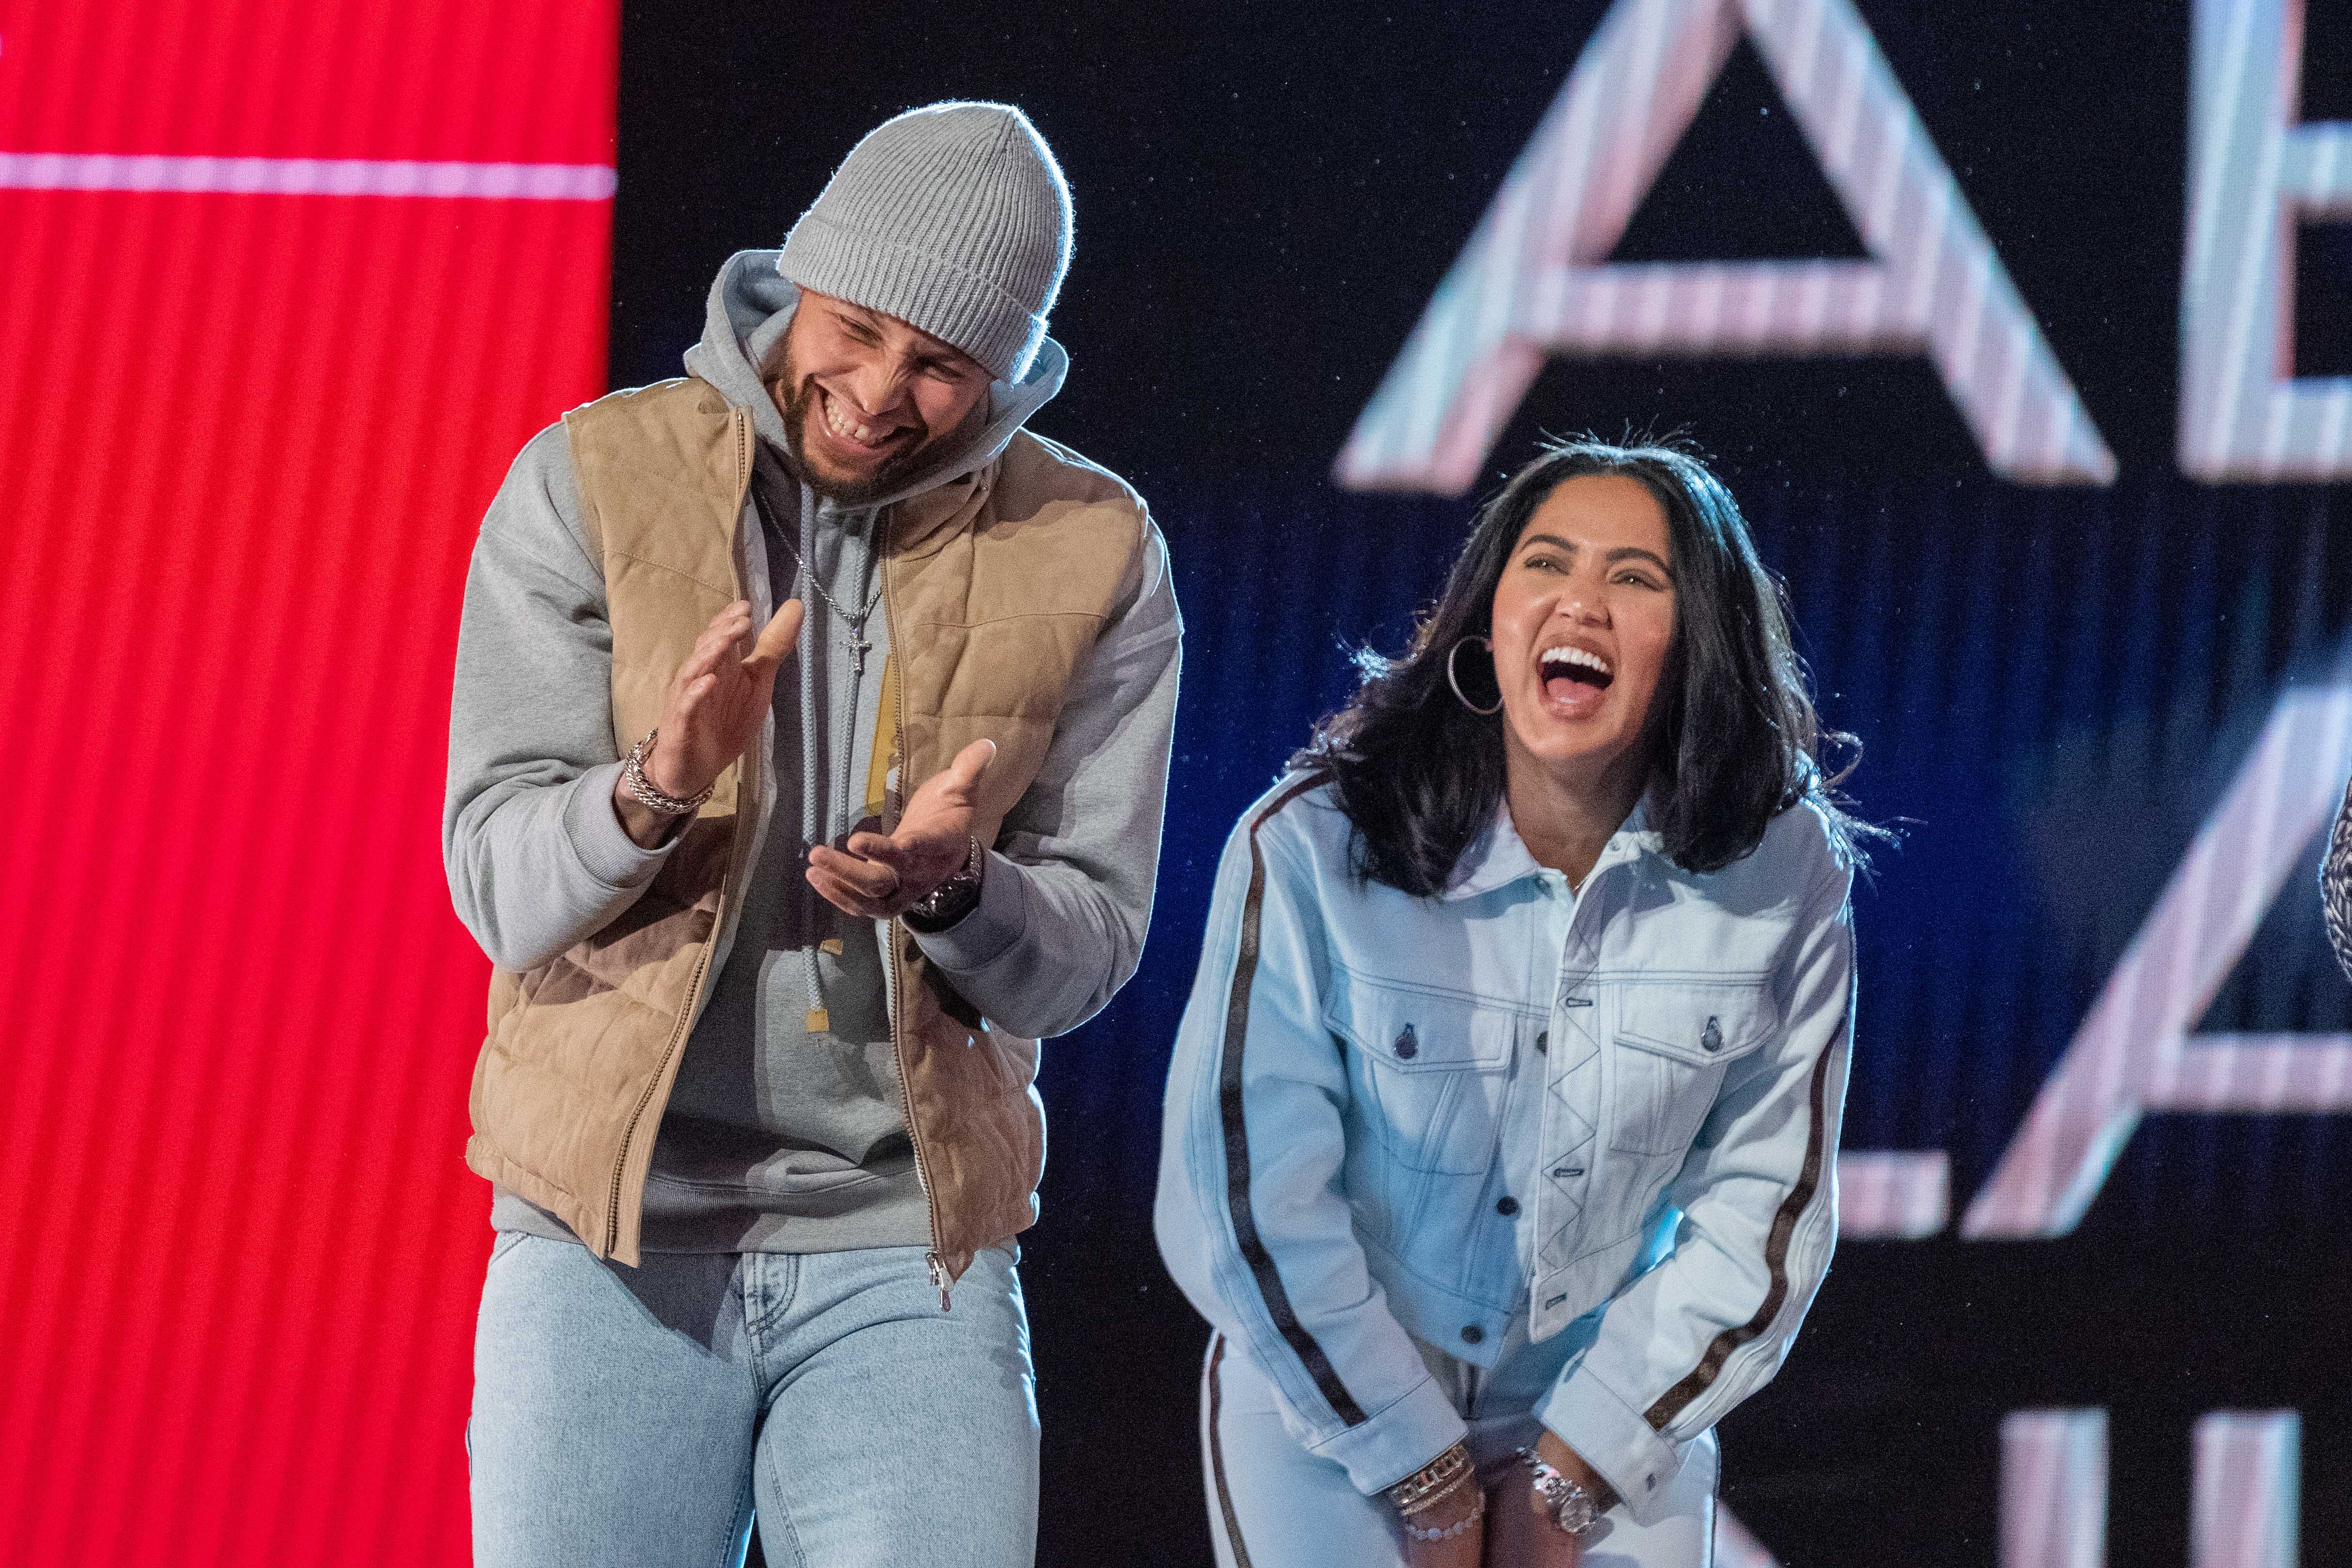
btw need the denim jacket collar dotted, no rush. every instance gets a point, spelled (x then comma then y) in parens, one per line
(1499, 856)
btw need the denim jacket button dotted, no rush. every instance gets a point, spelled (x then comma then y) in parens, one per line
(1472, 1333)
(1543, 1040)
(1506, 1206)
(1407, 1048)
(1712, 1038)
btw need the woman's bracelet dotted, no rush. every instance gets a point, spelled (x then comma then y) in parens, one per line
(1459, 1527)
(1434, 1480)
(1428, 1501)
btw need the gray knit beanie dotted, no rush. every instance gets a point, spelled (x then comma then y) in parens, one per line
(954, 219)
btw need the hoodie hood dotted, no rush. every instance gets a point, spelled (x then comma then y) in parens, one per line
(752, 304)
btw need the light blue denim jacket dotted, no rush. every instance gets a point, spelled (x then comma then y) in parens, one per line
(1613, 1109)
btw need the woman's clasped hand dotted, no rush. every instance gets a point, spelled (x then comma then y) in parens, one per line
(1504, 1525)
(1453, 1517)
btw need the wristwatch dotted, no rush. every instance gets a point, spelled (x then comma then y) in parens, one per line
(1573, 1508)
(952, 899)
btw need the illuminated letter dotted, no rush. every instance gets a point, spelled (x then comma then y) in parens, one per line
(2244, 1492)
(1736, 1545)
(2134, 1052)
(2253, 174)
(1532, 279)
(2054, 1490)
(1892, 1195)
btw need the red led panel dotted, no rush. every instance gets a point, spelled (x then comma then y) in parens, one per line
(245, 443)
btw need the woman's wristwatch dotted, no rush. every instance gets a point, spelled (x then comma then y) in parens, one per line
(1573, 1508)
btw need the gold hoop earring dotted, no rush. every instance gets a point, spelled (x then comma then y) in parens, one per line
(1451, 681)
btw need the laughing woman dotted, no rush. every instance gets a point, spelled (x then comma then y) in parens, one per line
(1500, 1129)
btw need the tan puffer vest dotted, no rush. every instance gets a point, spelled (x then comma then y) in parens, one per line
(994, 588)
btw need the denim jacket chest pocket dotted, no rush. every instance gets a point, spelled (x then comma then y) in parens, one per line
(1676, 1040)
(1429, 1068)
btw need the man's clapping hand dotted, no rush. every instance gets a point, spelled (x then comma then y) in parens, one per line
(876, 876)
(713, 710)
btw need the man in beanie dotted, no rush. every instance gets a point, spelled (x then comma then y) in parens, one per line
(806, 763)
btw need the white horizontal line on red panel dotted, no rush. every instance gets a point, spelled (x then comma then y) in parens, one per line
(306, 176)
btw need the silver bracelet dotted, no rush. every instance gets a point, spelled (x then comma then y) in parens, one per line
(641, 789)
(1458, 1528)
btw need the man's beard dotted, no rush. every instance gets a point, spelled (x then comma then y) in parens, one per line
(797, 401)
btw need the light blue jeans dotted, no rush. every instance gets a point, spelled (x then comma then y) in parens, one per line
(646, 1416)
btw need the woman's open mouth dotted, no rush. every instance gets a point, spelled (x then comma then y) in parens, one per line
(1574, 665)
(1573, 679)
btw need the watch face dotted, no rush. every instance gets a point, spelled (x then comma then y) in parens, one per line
(1576, 1512)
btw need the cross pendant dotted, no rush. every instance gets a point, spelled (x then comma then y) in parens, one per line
(858, 650)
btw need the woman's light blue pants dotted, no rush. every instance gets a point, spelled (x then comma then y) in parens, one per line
(1271, 1504)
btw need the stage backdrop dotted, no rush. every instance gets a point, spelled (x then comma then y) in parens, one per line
(282, 289)
(2024, 334)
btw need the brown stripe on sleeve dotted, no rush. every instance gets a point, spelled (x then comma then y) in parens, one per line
(1237, 1136)
(1776, 1259)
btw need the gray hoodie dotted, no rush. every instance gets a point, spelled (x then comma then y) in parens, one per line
(777, 1139)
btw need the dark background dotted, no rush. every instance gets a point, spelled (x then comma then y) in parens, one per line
(2052, 687)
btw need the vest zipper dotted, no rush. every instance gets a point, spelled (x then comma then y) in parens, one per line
(746, 782)
(628, 1134)
(932, 1260)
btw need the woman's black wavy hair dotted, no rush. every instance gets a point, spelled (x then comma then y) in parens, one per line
(1420, 775)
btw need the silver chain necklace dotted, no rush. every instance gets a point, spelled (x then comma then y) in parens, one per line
(860, 645)
(818, 1020)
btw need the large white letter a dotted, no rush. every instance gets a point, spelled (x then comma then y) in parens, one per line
(1533, 279)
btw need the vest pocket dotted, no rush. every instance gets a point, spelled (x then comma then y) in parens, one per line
(1430, 1069)
(1675, 1043)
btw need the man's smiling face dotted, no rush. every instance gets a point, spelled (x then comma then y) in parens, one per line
(865, 398)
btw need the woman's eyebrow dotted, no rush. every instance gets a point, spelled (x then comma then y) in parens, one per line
(1623, 552)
